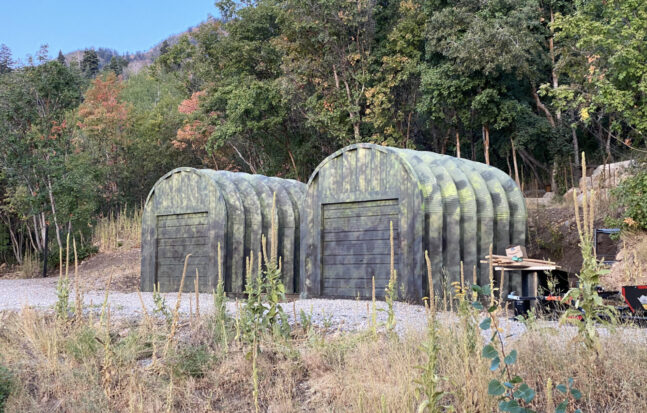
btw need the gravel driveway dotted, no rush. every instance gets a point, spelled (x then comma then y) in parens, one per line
(343, 315)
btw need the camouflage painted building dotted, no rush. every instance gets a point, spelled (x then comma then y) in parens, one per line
(454, 208)
(193, 210)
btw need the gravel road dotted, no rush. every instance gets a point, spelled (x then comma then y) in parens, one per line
(343, 315)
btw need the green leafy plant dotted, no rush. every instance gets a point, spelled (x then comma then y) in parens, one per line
(7, 383)
(587, 308)
(630, 194)
(428, 384)
(513, 393)
(160, 307)
(62, 305)
(571, 393)
(265, 291)
(191, 361)
(305, 319)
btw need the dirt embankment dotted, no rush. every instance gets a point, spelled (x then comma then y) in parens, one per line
(94, 272)
(553, 235)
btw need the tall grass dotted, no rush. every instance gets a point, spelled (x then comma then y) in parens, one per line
(88, 366)
(118, 230)
(31, 266)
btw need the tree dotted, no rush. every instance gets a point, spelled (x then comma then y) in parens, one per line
(90, 63)
(103, 122)
(6, 61)
(164, 47)
(117, 65)
(328, 52)
(61, 58)
(391, 101)
(37, 147)
(603, 59)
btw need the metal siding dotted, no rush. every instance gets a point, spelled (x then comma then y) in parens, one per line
(237, 208)
(356, 247)
(453, 207)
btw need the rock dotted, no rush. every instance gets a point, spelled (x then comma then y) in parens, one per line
(610, 175)
(548, 197)
(568, 196)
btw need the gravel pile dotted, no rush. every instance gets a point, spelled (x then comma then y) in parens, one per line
(331, 315)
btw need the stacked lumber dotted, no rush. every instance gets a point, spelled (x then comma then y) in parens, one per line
(507, 262)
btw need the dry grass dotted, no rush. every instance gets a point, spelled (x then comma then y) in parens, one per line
(631, 267)
(121, 230)
(31, 266)
(82, 366)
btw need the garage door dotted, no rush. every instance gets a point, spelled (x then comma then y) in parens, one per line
(177, 236)
(356, 247)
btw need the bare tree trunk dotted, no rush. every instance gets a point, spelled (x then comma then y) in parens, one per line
(607, 145)
(17, 239)
(458, 144)
(553, 177)
(406, 140)
(514, 161)
(542, 107)
(551, 48)
(294, 165)
(37, 238)
(53, 206)
(473, 149)
(486, 143)
(576, 146)
(354, 117)
(532, 168)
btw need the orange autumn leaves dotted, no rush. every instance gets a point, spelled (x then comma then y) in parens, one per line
(102, 114)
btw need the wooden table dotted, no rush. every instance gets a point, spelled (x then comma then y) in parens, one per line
(529, 277)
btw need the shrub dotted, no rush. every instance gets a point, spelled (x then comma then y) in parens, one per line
(632, 196)
(192, 361)
(6, 385)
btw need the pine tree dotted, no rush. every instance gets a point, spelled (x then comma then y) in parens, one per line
(90, 63)
(5, 59)
(117, 65)
(164, 47)
(61, 58)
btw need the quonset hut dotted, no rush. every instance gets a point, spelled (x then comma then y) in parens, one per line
(453, 208)
(191, 211)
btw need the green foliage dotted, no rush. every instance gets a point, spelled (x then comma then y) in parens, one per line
(62, 306)
(631, 195)
(82, 344)
(262, 311)
(273, 87)
(602, 59)
(90, 63)
(513, 394)
(161, 309)
(587, 310)
(191, 361)
(7, 384)
(428, 384)
(83, 252)
(390, 297)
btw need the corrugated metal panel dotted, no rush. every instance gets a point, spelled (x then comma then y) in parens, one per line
(192, 211)
(356, 246)
(454, 208)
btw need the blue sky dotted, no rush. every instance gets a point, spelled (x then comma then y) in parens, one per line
(69, 25)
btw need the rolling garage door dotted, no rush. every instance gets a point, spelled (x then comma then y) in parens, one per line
(177, 236)
(356, 247)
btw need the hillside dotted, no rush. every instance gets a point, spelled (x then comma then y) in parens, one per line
(136, 60)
